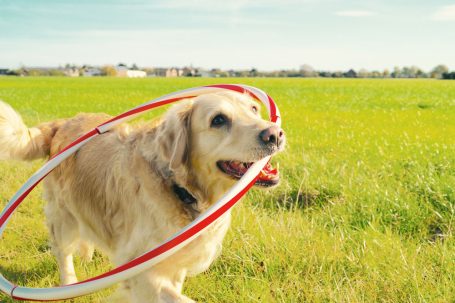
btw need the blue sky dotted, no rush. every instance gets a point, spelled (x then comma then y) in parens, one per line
(266, 34)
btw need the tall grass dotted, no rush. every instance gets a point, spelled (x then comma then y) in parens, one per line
(365, 211)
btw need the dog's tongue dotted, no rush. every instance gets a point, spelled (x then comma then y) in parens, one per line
(267, 173)
(239, 166)
(239, 169)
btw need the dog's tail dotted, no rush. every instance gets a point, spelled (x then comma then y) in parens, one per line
(19, 142)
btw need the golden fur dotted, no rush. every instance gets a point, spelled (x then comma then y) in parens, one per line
(115, 193)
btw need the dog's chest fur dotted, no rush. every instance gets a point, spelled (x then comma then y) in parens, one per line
(194, 258)
(197, 256)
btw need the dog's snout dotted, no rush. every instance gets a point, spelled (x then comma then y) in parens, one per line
(273, 135)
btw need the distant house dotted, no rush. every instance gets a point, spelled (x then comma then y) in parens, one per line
(40, 71)
(205, 74)
(92, 72)
(4, 71)
(123, 71)
(189, 72)
(350, 74)
(174, 72)
(71, 72)
(158, 72)
(133, 74)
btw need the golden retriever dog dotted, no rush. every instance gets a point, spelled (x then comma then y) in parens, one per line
(132, 187)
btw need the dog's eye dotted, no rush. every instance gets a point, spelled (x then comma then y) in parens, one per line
(219, 120)
(255, 109)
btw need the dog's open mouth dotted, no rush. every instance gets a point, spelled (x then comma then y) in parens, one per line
(269, 176)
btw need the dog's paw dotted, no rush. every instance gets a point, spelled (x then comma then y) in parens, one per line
(171, 296)
(68, 279)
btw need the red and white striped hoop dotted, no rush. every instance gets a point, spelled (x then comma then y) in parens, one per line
(171, 245)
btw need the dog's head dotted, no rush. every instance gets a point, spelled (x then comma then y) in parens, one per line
(214, 138)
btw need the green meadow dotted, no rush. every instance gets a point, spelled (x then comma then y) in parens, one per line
(365, 211)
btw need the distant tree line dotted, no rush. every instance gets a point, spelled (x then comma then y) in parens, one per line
(448, 76)
(439, 72)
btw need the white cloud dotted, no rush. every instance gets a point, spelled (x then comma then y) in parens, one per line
(354, 13)
(444, 13)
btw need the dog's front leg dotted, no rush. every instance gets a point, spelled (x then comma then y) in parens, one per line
(169, 294)
(154, 287)
(172, 290)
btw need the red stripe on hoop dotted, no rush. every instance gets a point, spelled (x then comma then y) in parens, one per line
(180, 238)
(273, 116)
(171, 244)
(93, 132)
(40, 300)
(12, 290)
(17, 202)
(235, 88)
(240, 89)
(144, 108)
(25, 194)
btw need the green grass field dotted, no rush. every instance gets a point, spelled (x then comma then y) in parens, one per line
(365, 211)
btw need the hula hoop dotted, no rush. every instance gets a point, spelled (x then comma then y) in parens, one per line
(168, 247)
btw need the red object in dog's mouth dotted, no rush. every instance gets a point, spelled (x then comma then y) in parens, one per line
(268, 176)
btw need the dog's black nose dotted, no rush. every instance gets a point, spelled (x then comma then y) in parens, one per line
(272, 135)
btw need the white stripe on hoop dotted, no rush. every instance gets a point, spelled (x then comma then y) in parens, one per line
(83, 288)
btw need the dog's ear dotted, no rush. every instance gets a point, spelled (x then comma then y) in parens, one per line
(175, 137)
